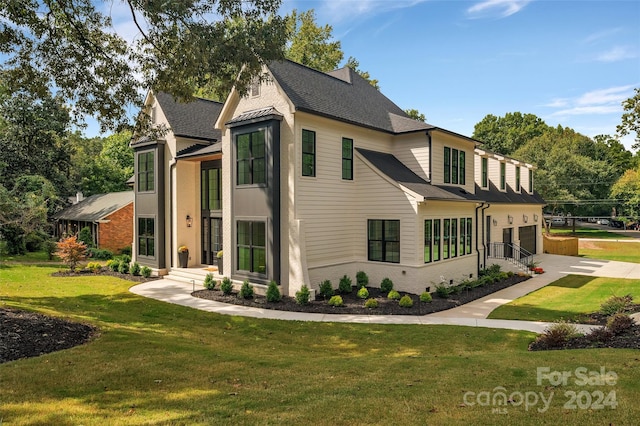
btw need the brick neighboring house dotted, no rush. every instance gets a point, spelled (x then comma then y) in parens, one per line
(109, 216)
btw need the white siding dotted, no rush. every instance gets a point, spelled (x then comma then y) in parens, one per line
(413, 151)
(438, 143)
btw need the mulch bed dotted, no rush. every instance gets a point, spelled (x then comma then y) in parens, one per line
(104, 271)
(28, 334)
(355, 306)
(629, 339)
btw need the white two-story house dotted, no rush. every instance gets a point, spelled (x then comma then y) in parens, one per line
(315, 175)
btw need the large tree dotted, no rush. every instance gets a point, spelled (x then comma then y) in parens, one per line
(627, 190)
(504, 135)
(311, 44)
(182, 45)
(631, 118)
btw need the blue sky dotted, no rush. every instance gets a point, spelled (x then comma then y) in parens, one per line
(568, 62)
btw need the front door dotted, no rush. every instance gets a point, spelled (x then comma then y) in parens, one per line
(507, 239)
(211, 205)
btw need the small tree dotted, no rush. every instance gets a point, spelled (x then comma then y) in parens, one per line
(85, 237)
(71, 251)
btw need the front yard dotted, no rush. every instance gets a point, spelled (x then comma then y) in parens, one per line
(156, 363)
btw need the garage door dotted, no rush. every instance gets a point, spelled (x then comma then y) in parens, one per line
(528, 238)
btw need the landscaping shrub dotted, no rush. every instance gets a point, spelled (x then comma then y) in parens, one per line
(124, 267)
(371, 303)
(426, 297)
(336, 301)
(135, 269)
(406, 301)
(443, 291)
(126, 251)
(345, 285)
(114, 265)
(556, 335)
(226, 285)
(362, 279)
(273, 292)
(455, 289)
(125, 258)
(94, 267)
(363, 293)
(246, 290)
(386, 285)
(209, 283)
(100, 254)
(303, 295)
(71, 252)
(600, 334)
(326, 289)
(393, 295)
(616, 304)
(85, 237)
(145, 271)
(619, 323)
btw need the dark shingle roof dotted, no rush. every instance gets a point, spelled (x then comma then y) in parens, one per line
(199, 150)
(494, 195)
(194, 119)
(96, 207)
(342, 95)
(397, 171)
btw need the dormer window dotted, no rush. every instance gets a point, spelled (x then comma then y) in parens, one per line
(485, 172)
(517, 178)
(503, 176)
(530, 181)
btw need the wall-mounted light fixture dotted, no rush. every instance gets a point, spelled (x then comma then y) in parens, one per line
(510, 219)
(495, 222)
(525, 218)
(189, 221)
(535, 217)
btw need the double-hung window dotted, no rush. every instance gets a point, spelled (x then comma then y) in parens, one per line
(503, 176)
(347, 159)
(384, 240)
(308, 153)
(454, 166)
(251, 163)
(428, 241)
(446, 238)
(485, 172)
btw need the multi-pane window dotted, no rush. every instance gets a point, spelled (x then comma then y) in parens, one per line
(428, 241)
(517, 178)
(146, 236)
(308, 153)
(468, 238)
(503, 176)
(347, 159)
(251, 162)
(145, 171)
(384, 240)
(485, 172)
(530, 181)
(251, 246)
(454, 166)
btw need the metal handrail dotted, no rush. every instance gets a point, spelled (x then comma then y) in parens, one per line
(511, 252)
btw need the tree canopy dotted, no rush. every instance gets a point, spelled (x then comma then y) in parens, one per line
(631, 118)
(183, 45)
(504, 135)
(311, 44)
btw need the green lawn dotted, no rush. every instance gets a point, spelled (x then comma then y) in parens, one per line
(569, 298)
(610, 250)
(588, 233)
(156, 363)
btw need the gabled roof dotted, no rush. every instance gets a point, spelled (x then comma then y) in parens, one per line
(194, 120)
(199, 150)
(398, 172)
(96, 207)
(342, 95)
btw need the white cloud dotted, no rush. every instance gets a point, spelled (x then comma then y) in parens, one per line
(595, 102)
(617, 53)
(499, 8)
(601, 34)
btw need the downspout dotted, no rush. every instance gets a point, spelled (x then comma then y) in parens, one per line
(172, 166)
(430, 155)
(484, 206)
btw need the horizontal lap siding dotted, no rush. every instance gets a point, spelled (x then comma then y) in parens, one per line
(335, 211)
(439, 141)
(413, 152)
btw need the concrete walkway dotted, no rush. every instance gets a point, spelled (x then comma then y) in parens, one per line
(472, 314)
